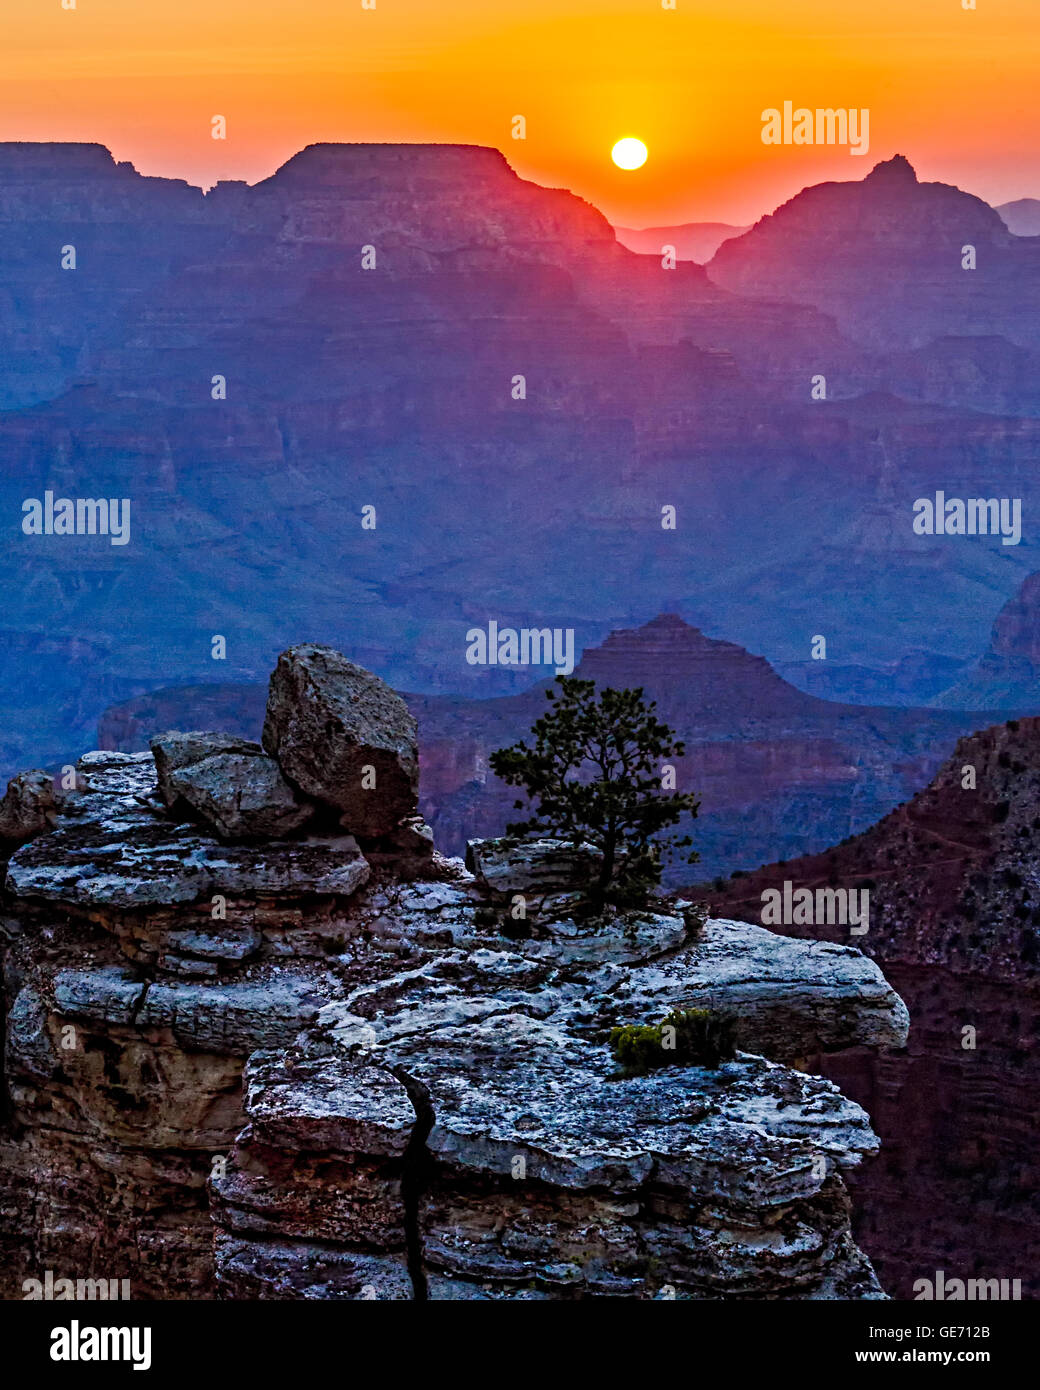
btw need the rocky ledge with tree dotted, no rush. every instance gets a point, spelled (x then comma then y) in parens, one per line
(261, 1039)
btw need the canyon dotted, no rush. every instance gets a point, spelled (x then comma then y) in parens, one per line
(182, 1092)
(954, 924)
(389, 388)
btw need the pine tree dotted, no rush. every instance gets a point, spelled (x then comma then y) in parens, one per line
(594, 774)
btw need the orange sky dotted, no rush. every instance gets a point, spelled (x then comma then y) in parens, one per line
(954, 90)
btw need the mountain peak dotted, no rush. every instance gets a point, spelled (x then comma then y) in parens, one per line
(668, 654)
(333, 164)
(892, 172)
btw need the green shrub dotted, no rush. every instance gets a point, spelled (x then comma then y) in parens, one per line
(685, 1037)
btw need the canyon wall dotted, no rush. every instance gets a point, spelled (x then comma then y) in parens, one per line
(954, 918)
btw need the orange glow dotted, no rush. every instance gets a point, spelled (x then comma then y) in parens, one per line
(951, 89)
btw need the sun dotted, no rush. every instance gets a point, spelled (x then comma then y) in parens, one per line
(629, 153)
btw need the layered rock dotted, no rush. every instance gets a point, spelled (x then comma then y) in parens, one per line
(887, 251)
(144, 961)
(429, 1106)
(481, 1084)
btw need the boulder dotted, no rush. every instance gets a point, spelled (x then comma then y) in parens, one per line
(343, 737)
(28, 808)
(243, 796)
(173, 752)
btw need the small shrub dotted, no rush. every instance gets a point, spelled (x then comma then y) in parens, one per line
(687, 1037)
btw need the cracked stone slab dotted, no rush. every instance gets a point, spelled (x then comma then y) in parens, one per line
(233, 1017)
(790, 998)
(624, 941)
(264, 1270)
(323, 1106)
(505, 866)
(750, 1131)
(106, 994)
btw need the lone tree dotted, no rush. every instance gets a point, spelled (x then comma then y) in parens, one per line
(596, 774)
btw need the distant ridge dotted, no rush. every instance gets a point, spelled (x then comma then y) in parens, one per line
(1007, 675)
(1022, 216)
(693, 241)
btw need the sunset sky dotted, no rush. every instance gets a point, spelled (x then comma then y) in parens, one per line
(954, 90)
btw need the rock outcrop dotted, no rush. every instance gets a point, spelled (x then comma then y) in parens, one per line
(280, 1070)
(481, 1076)
(887, 252)
(230, 784)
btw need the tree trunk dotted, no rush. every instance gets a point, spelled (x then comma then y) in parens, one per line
(606, 873)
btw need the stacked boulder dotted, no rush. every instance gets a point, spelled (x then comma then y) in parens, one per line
(262, 1040)
(339, 751)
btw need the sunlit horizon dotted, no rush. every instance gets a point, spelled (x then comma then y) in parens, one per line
(951, 89)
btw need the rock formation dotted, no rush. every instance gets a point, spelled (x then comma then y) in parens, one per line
(1007, 675)
(286, 1069)
(340, 733)
(887, 254)
(28, 808)
(955, 923)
